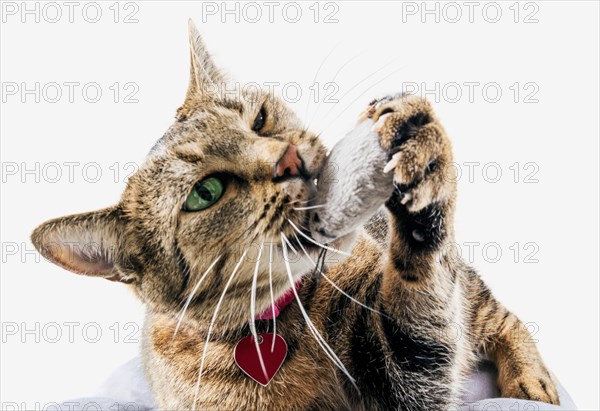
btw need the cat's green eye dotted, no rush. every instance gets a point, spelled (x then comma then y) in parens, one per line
(204, 194)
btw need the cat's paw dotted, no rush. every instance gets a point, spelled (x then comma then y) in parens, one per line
(533, 384)
(420, 152)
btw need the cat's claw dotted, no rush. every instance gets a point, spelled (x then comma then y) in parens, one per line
(393, 162)
(406, 198)
(379, 123)
(368, 113)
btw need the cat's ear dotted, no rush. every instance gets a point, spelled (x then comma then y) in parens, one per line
(87, 243)
(205, 77)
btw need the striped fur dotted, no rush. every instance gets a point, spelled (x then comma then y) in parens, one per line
(431, 317)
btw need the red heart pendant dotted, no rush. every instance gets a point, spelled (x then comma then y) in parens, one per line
(248, 359)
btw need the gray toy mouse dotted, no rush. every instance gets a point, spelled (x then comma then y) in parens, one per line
(353, 185)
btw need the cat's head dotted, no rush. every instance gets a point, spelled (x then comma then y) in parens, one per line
(234, 172)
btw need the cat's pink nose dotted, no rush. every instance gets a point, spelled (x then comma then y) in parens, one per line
(290, 164)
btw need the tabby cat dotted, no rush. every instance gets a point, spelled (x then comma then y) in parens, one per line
(211, 230)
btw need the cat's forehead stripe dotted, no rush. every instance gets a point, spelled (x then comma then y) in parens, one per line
(189, 157)
(234, 105)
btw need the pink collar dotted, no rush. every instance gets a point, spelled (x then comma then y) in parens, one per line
(280, 304)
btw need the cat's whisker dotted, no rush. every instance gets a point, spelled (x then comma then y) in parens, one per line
(317, 75)
(191, 296)
(318, 337)
(271, 291)
(300, 244)
(290, 245)
(253, 310)
(287, 240)
(350, 297)
(186, 273)
(334, 285)
(210, 326)
(359, 96)
(304, 227)
(303, 249)
(335, 250)
(330, 82)
(300, 201)
(359, 83)
(309, 207)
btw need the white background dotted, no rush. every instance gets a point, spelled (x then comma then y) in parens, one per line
(558, 134)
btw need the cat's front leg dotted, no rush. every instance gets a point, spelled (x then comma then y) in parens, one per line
(502, 336)
(522, 373)
(434, 285)
(420, 294)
